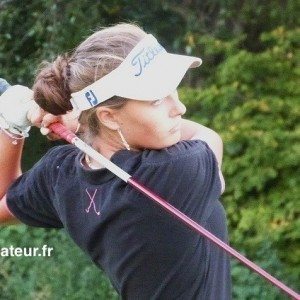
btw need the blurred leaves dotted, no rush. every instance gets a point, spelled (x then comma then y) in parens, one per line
(254, 103)
(66, 274)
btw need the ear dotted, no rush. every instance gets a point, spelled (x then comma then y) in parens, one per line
(108, 117)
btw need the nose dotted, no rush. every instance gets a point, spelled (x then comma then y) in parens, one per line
(178, 108)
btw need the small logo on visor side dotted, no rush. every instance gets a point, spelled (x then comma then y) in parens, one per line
(90, 96)
(144, 58)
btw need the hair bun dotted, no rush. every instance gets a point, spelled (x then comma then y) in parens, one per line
(51, 89)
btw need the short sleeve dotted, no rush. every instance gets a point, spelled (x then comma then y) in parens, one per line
(29, 197)
(186, 175)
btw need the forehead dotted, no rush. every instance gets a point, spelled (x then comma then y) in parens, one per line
(137, 108)
(137, 104)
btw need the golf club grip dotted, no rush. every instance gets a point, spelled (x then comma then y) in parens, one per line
(63, 132)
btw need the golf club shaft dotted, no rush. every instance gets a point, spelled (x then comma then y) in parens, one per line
(70, 137)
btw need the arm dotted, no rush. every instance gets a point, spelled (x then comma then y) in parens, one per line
(13, 107)
(10, 158)
(17, 110)
(15, 103)
(6, 217)
(193, 131)
(10, 161)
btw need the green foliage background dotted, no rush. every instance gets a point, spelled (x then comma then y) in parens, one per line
(247, 90)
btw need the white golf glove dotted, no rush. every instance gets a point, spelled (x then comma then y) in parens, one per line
(15, 104)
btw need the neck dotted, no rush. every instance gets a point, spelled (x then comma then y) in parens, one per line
(104, 148)
(107, 143)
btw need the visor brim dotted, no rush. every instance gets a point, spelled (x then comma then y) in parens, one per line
(158, 79)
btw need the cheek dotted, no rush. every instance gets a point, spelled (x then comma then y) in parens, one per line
(142, 120)
(149, 128)
(155, 125)
(144, 129)
(153, 131)
(153, 134)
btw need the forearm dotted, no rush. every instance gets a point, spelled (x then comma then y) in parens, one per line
(10, 154)
(193, 131)
(10, 162)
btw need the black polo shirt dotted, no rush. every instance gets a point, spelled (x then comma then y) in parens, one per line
(146, 252)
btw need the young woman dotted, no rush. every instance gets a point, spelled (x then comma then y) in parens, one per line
(122, 84)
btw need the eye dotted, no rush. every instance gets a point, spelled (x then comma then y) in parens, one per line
(157, 102)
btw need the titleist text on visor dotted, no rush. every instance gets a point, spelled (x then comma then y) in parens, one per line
(43, 251)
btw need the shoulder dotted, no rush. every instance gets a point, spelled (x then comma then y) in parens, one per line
(45, 171)
(183, 156)
(186, 174)
(182, 151)
(46, 168)
(59, 154)
(185, 164)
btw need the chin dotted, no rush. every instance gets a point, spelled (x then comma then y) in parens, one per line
(174, 140)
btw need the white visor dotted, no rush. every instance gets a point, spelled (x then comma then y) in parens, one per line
(148, 73)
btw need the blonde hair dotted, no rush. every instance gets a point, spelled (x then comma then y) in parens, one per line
(94, 58)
